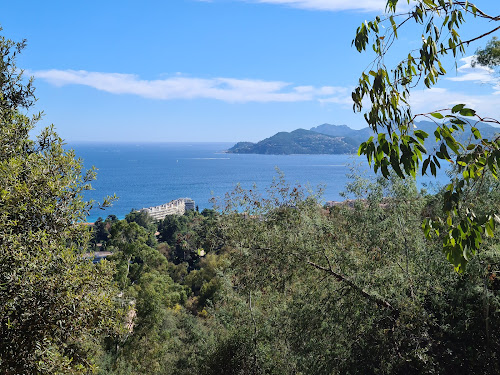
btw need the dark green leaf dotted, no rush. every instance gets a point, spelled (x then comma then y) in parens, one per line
(457, 108)
(467, 112)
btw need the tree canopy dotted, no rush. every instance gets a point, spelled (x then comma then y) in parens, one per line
(490, 55)
(55, 305)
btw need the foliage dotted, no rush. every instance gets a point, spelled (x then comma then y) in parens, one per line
(398, 146)
(15, 93)
(352, 289)
(100, 232)
(142, 218)
(55, 305)
(186, 236)
(488, 56)
(166, 295)
(288, 286)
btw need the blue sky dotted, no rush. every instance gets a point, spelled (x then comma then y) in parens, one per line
(220, 70)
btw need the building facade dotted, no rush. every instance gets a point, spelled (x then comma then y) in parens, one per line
(175, 207)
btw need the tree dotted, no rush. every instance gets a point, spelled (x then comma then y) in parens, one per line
(490, 55)
(54, 304)
(142, 218)
(100, 231)
(398, 148)
(351, 289)
(128, 241)
(160, 327)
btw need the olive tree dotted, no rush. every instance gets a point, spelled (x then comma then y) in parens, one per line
(398, 147)
(54, 303)
(351, 288)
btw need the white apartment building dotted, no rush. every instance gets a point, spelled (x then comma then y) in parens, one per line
(175, 207)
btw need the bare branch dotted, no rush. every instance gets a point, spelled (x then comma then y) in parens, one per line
(377, 300)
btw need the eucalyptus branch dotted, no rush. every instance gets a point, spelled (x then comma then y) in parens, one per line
(467, 42)
(466, 5)
(396, 149)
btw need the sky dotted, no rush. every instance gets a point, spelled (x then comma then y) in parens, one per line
(214, 70)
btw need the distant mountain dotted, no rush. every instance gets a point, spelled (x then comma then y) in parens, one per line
(299, 141)
(486, 130)
(343, 131)
(337, 139)
(361, 135)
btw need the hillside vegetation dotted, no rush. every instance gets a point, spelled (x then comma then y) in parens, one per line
(281, 285)
(299, 141)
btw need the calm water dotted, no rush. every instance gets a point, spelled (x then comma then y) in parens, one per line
(144, 175)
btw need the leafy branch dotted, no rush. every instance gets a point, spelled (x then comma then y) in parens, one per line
(398, 147)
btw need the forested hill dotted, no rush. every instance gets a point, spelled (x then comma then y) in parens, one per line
(336, 139)
(299, 141)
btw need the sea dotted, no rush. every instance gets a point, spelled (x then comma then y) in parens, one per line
(150, 174)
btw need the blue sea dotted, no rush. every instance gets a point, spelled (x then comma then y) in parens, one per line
(144, 175)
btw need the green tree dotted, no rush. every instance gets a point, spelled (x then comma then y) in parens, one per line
(351, 289)
(488, 56)
(100, 231)
(399, 148)
(54, 304)
(164, 337)
(170, 226)
(142, 218)
(128, 242)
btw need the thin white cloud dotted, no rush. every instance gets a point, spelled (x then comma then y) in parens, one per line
(332, 5)
(180, 87)
(486, 103)
(479, 73)
(440, 98)
(344, 100)
(377, 6)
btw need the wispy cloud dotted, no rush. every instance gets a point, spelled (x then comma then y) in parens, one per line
(440, 98)
(478, 73)
(486, 103)
(181, 87)
(331, 5)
